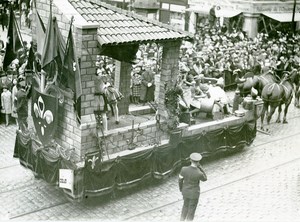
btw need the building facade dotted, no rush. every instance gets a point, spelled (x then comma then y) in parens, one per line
(254, 12)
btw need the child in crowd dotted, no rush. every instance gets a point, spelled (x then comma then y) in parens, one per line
(6, 102)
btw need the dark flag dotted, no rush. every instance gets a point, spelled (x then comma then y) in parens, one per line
(41, 33)
(72, 73)
(54, 47)
(45, 115)
(14, 41)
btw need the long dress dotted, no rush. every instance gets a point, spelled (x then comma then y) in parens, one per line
(136, 85)
(6, 102)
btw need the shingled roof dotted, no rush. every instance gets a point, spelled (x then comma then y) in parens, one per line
(117, 26)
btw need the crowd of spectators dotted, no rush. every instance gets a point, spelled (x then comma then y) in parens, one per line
(214, 53)
(221, 55)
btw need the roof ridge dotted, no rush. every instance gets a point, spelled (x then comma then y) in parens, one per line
(137, 16)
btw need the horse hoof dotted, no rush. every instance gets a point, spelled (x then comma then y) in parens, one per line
(285, 122)
(278, 121)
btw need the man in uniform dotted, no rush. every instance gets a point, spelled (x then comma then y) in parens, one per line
(22, 105)
(189, 179)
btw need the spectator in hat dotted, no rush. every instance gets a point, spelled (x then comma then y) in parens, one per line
(6, 103)
(4, 19)
(147, 86)
(22, 105)
(189, 186)
(13, 97)
(135, 85)
(197, 67)
(37, 67)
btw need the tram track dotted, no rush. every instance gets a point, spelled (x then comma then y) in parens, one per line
(214, 188)
(230, 182)
(61, 203)
(37, 210)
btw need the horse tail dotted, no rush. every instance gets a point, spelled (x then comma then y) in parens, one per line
(270, 89)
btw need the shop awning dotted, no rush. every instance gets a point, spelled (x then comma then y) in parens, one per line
(282, 17)
(227, 13)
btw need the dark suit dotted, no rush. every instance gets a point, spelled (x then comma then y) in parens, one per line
(189, 180)
(147, 93)
(22, 109)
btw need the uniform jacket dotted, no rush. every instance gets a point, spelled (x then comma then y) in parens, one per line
(191, 179)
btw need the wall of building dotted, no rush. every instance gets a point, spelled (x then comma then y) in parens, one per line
(173, 12)
(169, 72)
(70, 134)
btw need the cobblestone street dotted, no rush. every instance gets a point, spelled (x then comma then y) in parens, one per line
(260, 183)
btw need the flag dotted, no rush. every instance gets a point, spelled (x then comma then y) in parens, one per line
(14, 41)
(45, 115)
(54, 47)
(40, 33)
(72, 73)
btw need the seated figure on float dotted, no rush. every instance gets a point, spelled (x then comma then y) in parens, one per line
(208, 98)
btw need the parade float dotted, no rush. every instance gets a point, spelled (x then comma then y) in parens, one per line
(65, 144)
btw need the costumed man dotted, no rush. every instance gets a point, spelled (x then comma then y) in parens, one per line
(21, 103)
(112, 94)
(100, 98)
(189, 186)
(147, 86)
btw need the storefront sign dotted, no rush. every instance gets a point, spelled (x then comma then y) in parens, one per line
(66, 179)
(177, 8)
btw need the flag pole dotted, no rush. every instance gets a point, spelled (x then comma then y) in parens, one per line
(43, 73)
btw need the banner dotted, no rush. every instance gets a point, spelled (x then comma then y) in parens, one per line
(41, 33)
(45, 115)
(14, 41)
(71, 74)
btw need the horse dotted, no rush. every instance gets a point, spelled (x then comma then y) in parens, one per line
(264, 79)
(256, 81)
(276, 94)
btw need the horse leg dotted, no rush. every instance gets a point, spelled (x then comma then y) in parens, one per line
(286, 110)
(279, 113)
(297, 94)
(262, 116)
(272, 110)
